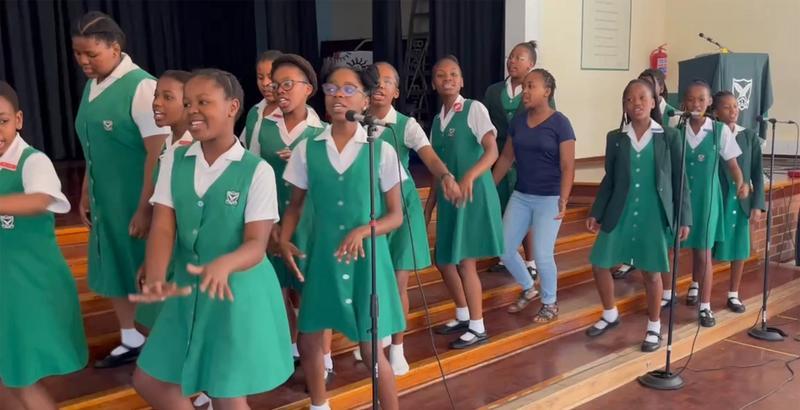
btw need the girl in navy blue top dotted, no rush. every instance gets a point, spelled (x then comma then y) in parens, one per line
(542, 143)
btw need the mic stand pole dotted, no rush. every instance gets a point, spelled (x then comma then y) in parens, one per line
(764, 332)
(665, 379)
(373, 308)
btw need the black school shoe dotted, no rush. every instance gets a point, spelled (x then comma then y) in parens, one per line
(736, 307)
(479, 338)
(707, 318)
(623, 273)
(691, 300)
(112, 361)
(651, 346)
(594, 331)
(457, 326)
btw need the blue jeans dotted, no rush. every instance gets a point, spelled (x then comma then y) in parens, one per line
(525, 212)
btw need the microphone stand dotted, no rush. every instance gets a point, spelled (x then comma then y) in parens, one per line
(373, 308)
(771, 334)
(665, 379)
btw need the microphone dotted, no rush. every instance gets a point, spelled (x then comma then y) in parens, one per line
(685, 114)
(364, 119)
(764, 118)
(714, 42)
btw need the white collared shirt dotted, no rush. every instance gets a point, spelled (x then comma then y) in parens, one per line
(38, 174)
(478, 118)
(169, 147)
(262, 197)
(736, 129)
(640, 144)
(511, 90)
(389, 174)
(142, 104)
(671, 121)
(414, 136)
(728, 147)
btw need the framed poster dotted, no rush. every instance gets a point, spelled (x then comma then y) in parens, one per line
(606, 35)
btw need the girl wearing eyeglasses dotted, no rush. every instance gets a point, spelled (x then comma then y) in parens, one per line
(331, 171)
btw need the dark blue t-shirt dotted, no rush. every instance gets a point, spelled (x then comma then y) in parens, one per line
(537, 153)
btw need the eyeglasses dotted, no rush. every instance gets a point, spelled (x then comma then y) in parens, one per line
(286, 85)
(347, 89)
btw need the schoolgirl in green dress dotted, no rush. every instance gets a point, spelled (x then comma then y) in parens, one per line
(708, 143)
(406, 135)
(636, 207)
(121, 144)
(738, 213)
(266, 107)
(462, 135)
(168, 112)
(504, 100)
(41, 329)
(330, 171)
(223, 327)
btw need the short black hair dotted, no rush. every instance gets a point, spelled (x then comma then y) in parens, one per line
(227, 81)
(448, 57)
(658, 77)
(301, 63)
(7, 92)
(269, 55)
(100, 26)
(178, 75)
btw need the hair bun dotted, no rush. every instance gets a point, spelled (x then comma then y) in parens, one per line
(370, 76)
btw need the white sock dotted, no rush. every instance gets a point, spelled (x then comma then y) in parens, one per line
(201, 400)
(386, 341)
(130, 337)
(530, 264)
(295, 352)
(328, 361)
(624, 267)
(610, 316)
(653, 327)
(734, 295)
(320, 407)
(666, 294)
(705, 306)
(475, 326)
(397, 359)
(462, 313)
(694, 288)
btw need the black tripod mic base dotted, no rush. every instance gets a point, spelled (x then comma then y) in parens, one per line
(661, 380)
(769, 334)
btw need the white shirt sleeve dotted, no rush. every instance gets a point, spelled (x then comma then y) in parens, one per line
(162, 193)
(142, 109)
(296, 172)
(415, 137)
(390, 172)
(243, 137)
(39, 177)
(262, 199)
(729, 148)
(479, 121)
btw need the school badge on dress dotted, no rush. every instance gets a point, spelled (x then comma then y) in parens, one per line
(701, 157)
(451, 132)
(232, 198)
(6, 222)
(108, 125)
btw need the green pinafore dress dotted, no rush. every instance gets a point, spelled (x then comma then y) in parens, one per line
(337, 295)
(702, 167)
(41, 329)
(270, 142)
(475, 230)
(642, 236)
(226, 349)
(407, 255)
(115, 157)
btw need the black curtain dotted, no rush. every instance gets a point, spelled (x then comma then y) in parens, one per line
(387, 32)
(474, 32)
(36, 55)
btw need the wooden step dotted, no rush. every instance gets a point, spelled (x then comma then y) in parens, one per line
(510, 333)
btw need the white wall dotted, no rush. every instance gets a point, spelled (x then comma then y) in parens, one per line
(593, 99)
(765, 26)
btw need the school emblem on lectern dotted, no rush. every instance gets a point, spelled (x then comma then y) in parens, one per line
(6, 222)
(742, 89)
(231, 198)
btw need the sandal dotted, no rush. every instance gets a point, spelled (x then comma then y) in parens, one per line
(691, 300)
(651, 346)
(525, 298)
(736, 307)
(547, 313)
(623, 271)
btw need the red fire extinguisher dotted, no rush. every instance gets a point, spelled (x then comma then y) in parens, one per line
(658, 59)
